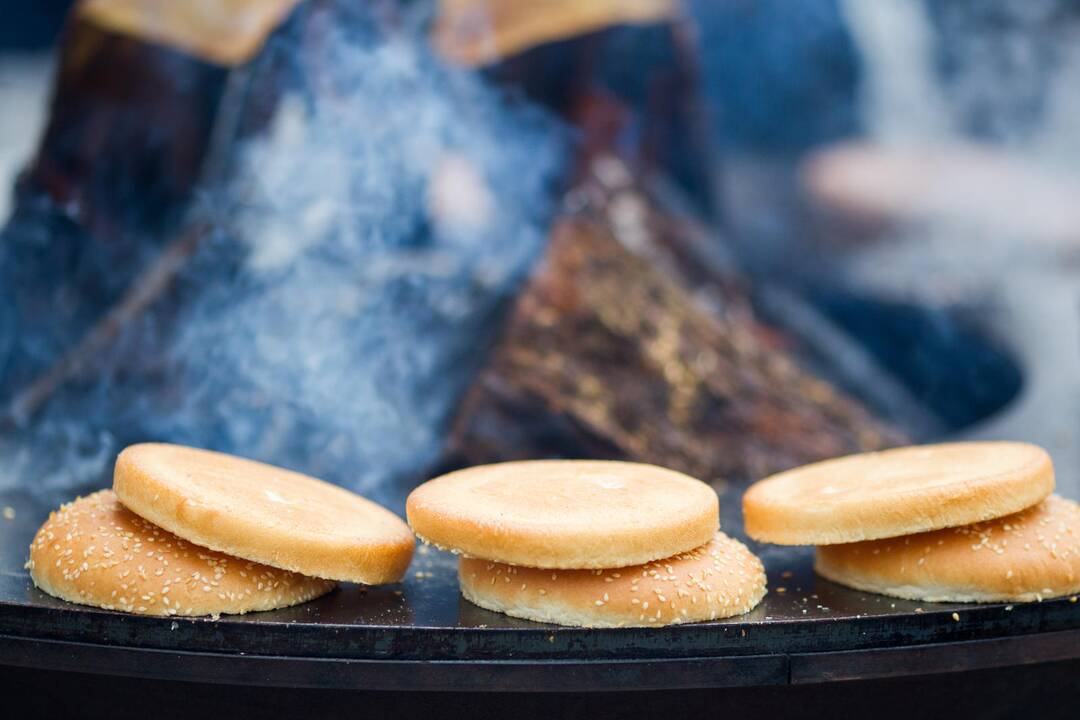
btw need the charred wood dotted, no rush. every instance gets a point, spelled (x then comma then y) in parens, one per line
(608, 353)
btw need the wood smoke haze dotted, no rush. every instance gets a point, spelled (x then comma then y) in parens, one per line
(980, 98)
(361, 256)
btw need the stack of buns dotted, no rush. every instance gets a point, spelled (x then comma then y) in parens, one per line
(573, 542)
(957, 522)
(588, 543)
(194, 532)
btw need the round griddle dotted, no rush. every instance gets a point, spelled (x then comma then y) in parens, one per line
(421, 635)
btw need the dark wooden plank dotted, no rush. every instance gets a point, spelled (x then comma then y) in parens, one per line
(606, 355)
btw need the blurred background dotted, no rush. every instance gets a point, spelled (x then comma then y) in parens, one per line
(371, 241)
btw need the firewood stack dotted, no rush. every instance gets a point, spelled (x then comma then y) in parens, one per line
(102, 224)
(634, 337)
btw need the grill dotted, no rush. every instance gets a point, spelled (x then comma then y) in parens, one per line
(1002, 367)
(424, 636)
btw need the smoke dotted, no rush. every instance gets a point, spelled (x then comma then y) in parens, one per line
(985, 173)
(365, 247)
(901, 100)
(964, 106)
(908, 170)
(780, 75)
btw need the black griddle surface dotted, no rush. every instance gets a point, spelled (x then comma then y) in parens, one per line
(423, 635)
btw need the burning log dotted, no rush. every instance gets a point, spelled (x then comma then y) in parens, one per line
(606, 354)
(574, 58)
(128, 129)
(631, 340)
(144, 108)
(135, 99)
(635, 337)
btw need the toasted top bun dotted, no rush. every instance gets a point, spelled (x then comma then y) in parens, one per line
(720, 579)
(263, 513)
(1031, 555)
(897, 492)
(94, 551)
(565, 513)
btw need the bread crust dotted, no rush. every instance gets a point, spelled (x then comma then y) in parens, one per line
(565, 514)
(1030, 555)
(720, 579)
(263, 513)
(897, 492)
(94, 551)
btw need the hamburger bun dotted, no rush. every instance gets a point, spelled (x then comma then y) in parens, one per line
(1031, 555)
(565, 513)
(897, 492)
(263, 513)
(94, 551)
(718, 580)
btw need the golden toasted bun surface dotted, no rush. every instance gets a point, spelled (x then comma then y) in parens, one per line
(897, 492)
(94, 551)
(565, 513)
(1031, 555)
(720, 579)
(263, 513)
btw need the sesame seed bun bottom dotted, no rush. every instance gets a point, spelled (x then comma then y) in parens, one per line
(1028, 556)
(94, 551)
(720, 579)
